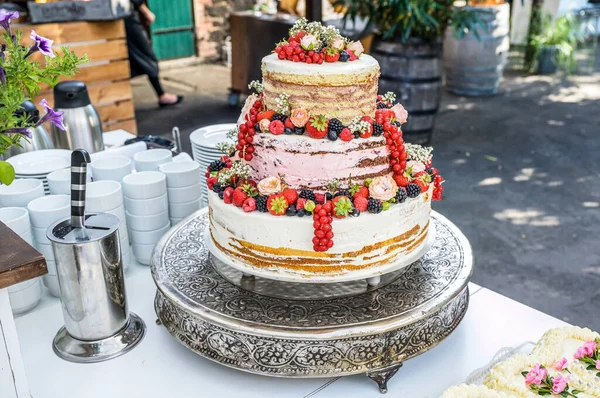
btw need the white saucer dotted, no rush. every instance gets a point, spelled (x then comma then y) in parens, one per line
(40, 162)
(209, 136)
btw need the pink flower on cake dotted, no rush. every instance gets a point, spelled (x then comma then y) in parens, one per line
(589, 347)
(383, 188)
(356, 47)
(401, 113)
(417, 166)
(269, 186)
(580, 353)
(560, 364)
(536, 375)
(264, 125)
(559, 382)
(338, 43)
(309, 42)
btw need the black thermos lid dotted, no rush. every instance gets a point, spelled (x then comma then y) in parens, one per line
(29, 109)
(71, 94)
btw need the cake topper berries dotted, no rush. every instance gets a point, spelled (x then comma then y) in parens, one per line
(317, 126)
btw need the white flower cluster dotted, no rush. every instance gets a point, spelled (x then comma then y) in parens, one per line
(256, 86)
(315, 29)
(298, 26)
(226, 148)
(389, 97)
(472, 391)
(283, 104)
(238, 168)
(418, 152)
(357, 125)
(233, 133)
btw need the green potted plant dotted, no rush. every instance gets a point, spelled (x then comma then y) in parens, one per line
(21, 79)
(556, 44)
(408, 46)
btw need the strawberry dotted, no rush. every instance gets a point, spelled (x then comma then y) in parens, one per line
(353, 56)
(401, 180)
(268, 115)
(331, 55)
(300, 203)
(245, 181)
(361, 203)
(342, 207)
(288, 124)
(361, 191)
(210, 181)
(319, 198)
(228, 195)
(276, 127)
(317, 126)
(238, 197)
(299, 117)
(291, 195)
(249, 205)
(277, 204)
(346, 135)
(423, 185)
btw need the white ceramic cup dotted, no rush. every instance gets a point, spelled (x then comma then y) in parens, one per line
(147, 223)
(48, 209)
(24, 300)
(23, 285)
(181, 210)
(144, 207)
(112, 168)
(15, 218)
(46, 251)
(151, 159)
(181, 174)
(59, 181)
(28, 237)
(51, 282)
(175, 221)
(21, 192)
(149, 237)
(145, 185)
(101, 196)
(39, 234)
(142, 253)
(185, 194)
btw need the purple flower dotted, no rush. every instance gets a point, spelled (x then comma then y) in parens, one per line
(51, 116)
(19, 130)
(40, 44)
(6, 16)
(2, 76)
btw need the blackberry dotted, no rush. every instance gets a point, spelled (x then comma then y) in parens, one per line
(343, 193)
(217, 188)
(307, 194)
(217, 165)
(336, 125)
(400, 195)
(355, 213)
(279, 116)
(382, 105)
(413, 190)
(288, 131)
(291, 211)
(332, 135)
(221, 194)
(430, 171)
(299, 130)
(261, 203)
(328, 196)
(374, 206)
(344, 56)
(356, 135)
(377, 129)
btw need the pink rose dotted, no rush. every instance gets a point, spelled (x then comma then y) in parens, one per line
(536, 375)
(383, 188)
(589, 347)
(560, 364)
(559, 383)
(264, 125)
(580, 353)
(356, 47)
(400, 112)
(269, 186)
(309, 42)
(338, 43)
(417, 166)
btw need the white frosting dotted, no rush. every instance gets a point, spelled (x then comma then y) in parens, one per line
(472, 391)
(365, 63)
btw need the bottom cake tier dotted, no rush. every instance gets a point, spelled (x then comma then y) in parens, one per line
(371, 243)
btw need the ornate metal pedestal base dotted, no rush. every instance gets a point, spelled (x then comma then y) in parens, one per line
(260, 327)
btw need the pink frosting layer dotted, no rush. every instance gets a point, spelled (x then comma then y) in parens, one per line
(303, 162)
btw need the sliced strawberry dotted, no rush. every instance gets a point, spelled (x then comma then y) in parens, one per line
(288, 124)
(265, 115)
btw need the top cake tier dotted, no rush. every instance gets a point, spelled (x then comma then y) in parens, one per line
(337, 90)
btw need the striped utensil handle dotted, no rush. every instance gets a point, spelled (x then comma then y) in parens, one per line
(79, 160)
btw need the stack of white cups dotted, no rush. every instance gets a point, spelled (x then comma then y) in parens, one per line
(111, 168)
(151, 159)
(21, 192)
(59, 181)
(183, 188)
(107, 197)
(25, 295)
(43, 212)
(147, 211)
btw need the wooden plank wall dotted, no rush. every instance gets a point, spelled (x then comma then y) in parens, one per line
(107, 74)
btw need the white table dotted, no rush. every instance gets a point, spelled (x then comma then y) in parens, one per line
(161, 367)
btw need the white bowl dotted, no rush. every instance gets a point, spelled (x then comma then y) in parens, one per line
(59, 181)
(46, 251)
(50, 208)
(151, 159)
(144, 207)
(181, 174)
(147, 223)
(101, 196)
(15, 218)
(39, 234)
(112, 168)
(142, 253)
(118, 212)
(184, 195)
(181, 210)
(175, 221)
(51, 282)
(145, 185)
(23, 285)
(40, 162)
(21, 192)
(149, 237)
(26, 299)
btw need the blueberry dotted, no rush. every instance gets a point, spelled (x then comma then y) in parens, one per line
(344, 56)
(328, 195)
(257, 127)
(298, 130)
(301, 213)
(332, 135)
(291, 211)
(221, 195)
(356, 135)
(355, 213)
(288, 131)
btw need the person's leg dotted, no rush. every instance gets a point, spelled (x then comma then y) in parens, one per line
(157, 86)
(164, 99)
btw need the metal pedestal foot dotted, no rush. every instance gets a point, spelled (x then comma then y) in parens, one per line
(381, 377)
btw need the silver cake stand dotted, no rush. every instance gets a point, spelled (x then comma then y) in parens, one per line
(290, 329)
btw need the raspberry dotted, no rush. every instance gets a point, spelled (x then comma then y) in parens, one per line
(374, 206)
(401, 195)
(249, 205)
(361, 203)
(228, 195)
(300, 203)
(276, 127)
(261, 203)
(346, 135)
(210, 181)
(413, 190)
(319, 198)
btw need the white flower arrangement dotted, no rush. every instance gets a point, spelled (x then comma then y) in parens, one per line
(357, 125)
(389, 97)
(418, 152)
(256, 86)
(238, 168)
(472, 391)
(283, 104)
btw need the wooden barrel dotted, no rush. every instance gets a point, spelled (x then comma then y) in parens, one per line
(474, 66)
(412, 70)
